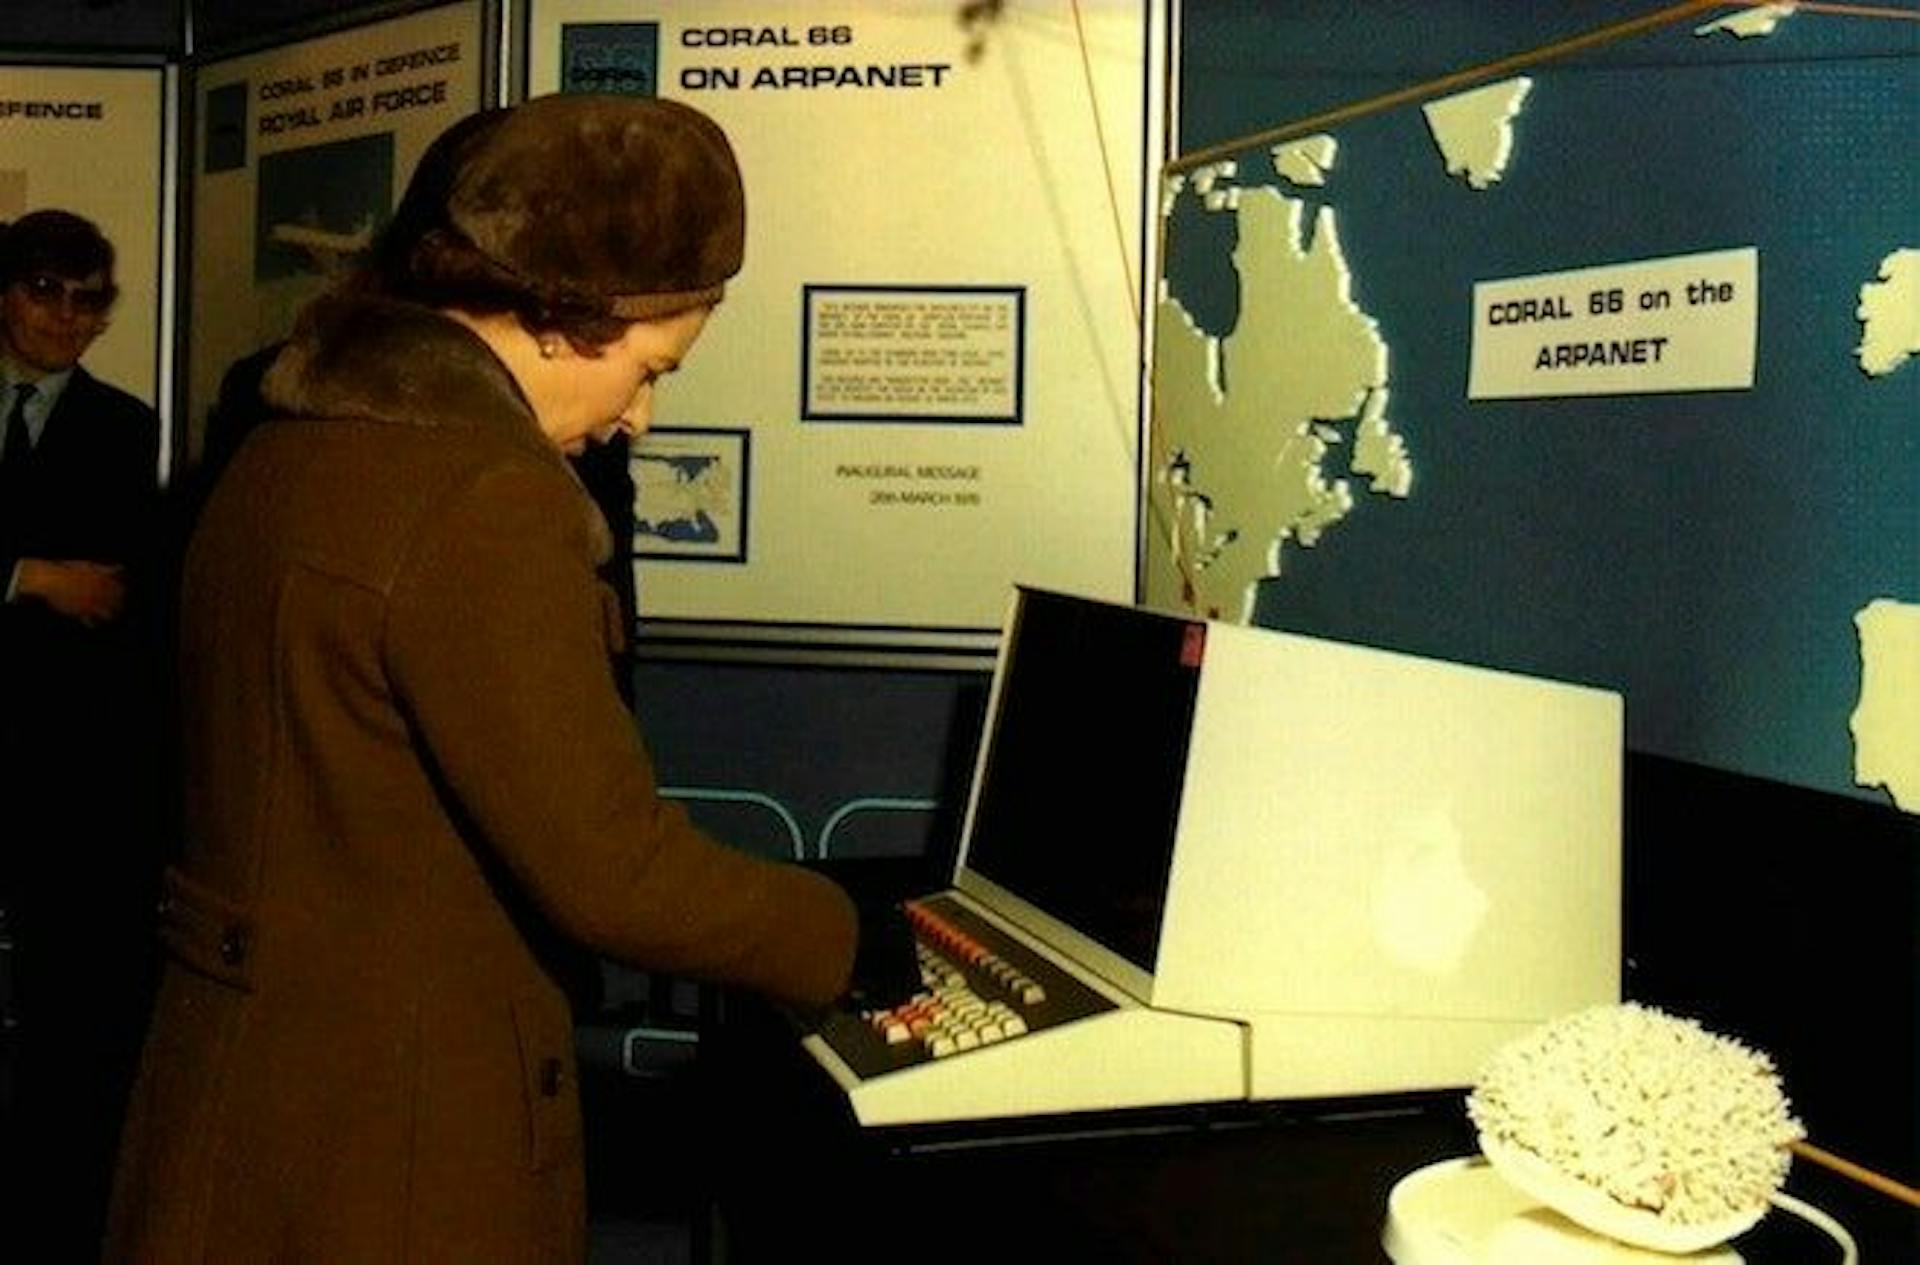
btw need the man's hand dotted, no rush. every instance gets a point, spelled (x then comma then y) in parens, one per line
(91, 593)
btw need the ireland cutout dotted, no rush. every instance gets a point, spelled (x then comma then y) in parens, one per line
(1246, 422)
(1889, 315)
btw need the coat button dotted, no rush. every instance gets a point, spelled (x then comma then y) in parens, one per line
(552, 1076)
(233, 945)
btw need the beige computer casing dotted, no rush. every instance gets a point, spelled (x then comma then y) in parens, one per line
(1383, 867)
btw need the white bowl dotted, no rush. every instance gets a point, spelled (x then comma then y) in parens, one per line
(1462, 1212)
(1600, 1212)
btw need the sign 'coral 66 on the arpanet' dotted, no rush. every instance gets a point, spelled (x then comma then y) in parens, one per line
(1684, 323)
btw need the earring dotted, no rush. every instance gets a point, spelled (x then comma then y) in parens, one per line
(549, 348)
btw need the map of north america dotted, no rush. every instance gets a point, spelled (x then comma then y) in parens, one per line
(1276, 425)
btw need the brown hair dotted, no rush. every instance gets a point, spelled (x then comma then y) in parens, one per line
(58, 243)
(440, 268)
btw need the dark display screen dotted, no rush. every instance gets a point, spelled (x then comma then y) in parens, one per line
(1080, 795)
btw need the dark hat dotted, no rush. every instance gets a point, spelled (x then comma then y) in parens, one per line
(633, 199)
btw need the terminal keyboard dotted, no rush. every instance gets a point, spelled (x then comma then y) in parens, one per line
(981, 987)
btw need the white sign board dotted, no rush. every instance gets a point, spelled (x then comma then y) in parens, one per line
(1684, 323)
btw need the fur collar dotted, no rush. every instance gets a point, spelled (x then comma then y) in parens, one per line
(375, 359)
(370, 358)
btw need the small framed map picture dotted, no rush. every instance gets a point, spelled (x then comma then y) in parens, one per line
(690, 495)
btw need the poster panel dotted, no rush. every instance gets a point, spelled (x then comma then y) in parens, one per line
(300, 153)
(115, 116)
(932, 355)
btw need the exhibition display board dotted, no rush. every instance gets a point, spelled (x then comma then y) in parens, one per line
(300, 152)
(926, 384)
(1497, 364)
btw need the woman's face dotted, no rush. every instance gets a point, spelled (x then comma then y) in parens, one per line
(596, 396)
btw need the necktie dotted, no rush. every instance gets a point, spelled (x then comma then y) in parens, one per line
(18, 443)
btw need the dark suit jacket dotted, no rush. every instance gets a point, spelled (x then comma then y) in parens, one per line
(89, 488)
(78, 778)
(88, 491)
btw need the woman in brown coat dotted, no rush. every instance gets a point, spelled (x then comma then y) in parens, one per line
(408, 765)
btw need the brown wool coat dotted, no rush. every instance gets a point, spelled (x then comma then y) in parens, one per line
(408, 765)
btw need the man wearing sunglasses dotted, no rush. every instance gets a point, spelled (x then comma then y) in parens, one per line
(78, 502)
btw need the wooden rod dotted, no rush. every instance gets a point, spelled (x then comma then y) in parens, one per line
(1865, 1176)
(1447, 83)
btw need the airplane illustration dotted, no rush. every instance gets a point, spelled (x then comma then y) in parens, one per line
(329, 248)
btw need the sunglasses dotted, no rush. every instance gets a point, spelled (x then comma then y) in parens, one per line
(44, 290)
